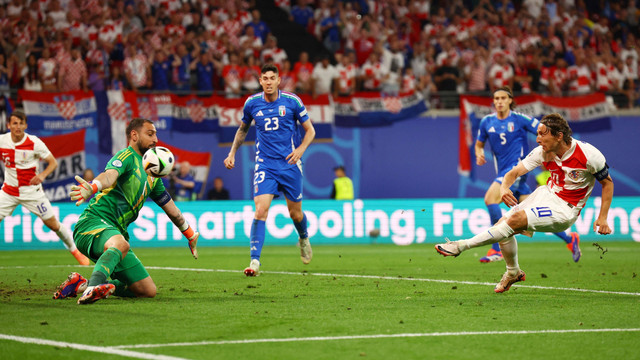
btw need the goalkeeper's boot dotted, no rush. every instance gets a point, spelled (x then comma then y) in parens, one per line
(69, 288)
(450, 248)
(82, 260)
(574, 247)
(253, 269)
(96, 293)
(305, 250)
(491, 256)
(506, 281)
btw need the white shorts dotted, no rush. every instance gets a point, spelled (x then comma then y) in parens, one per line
(40, 207)
(546, 212)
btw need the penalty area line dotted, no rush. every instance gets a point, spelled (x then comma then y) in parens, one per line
(373, 336)
(356, 276)
(99, 349)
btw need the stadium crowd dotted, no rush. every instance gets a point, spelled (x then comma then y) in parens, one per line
(558, 47)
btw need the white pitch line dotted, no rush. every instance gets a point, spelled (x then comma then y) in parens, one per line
(99, 349)
(373, 336)
(375, 277)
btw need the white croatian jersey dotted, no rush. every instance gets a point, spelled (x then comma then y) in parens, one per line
(21, 162)
(572, 176)
(276, 124)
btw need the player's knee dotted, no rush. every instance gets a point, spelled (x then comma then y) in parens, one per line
(518, 221)
(149, 291)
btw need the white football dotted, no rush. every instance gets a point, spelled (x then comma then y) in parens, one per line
(158, 161)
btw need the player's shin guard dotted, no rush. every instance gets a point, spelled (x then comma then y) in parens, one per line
(302, 227)
(257, 238)
(104, 266)
(509, 247)
(494, 234)
(494, 214)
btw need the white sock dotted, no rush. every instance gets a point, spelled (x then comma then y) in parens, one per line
(509, 248)
(66, 239)
(494, 234)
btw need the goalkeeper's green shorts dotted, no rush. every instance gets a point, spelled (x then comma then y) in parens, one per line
(90, 235)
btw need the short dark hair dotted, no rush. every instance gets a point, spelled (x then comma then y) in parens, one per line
(269, 67)
(136, 124)
(557, 124)
(19, 114)
(509, 92)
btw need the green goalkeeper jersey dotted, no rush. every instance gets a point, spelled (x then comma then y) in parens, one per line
(120, 204)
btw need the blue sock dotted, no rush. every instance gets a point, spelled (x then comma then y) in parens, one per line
(494, 214)
(302, 227)
(257, 238)
(564, 236)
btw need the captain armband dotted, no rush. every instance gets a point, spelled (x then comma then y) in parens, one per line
(162, 199)
(602, 174)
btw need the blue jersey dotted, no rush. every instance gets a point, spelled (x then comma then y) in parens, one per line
(508, 138)
(276, 123)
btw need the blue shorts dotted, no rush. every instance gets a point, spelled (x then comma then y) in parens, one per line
(519, 187)
(274, 177)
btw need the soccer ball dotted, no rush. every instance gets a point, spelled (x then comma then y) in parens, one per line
(158, 161)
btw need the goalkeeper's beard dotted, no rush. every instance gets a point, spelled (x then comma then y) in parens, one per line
(143, 149)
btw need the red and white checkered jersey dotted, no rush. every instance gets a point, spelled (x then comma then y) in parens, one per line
(573, 175)
(346, 77)
(581, 75)
(500, 74)
(21, 162)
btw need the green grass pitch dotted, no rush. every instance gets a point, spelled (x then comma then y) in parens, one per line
(351, 302)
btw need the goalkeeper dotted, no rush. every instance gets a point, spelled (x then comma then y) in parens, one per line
(101, 231)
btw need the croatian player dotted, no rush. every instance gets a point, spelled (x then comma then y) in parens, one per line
(506, 131)
(574, 167)
(101, 231)
(21, 153)
(278, 158)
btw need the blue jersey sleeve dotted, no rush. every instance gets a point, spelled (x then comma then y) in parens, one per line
(482, 130)
(528, 123)
(247, 118)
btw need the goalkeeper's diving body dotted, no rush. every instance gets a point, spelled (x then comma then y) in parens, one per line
(101, 231)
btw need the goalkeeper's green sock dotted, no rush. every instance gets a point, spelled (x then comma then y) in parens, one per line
(104, 266)
(122, 289)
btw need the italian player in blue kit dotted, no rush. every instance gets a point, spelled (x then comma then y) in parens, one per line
(278, 164)
(506, 131)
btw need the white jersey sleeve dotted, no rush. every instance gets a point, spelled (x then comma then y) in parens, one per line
(40, 149)
(534, 159)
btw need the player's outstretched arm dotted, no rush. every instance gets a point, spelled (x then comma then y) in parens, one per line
(601, 226)
(179, 221)
(310, 134)
(84, 190)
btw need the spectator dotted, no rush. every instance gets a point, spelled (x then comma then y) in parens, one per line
(5, 76)
(302, 14)
(287, 78)
(261, 29)
(347, 72)
(183, 183)
(117, 81)
(500, 73)
(136, 68)
(232, 76)
(393, 63)
(96, 78)
(580, 80)
(73, 73)
(181, 74)
(372, 73)
(342, 185)
(522, 78)
(218, 192)
(272, 50)
(47, 70)
(302, 71)
(205, 69)
(323, 77)
(250, 75)
(330, 30)
(160, 71)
